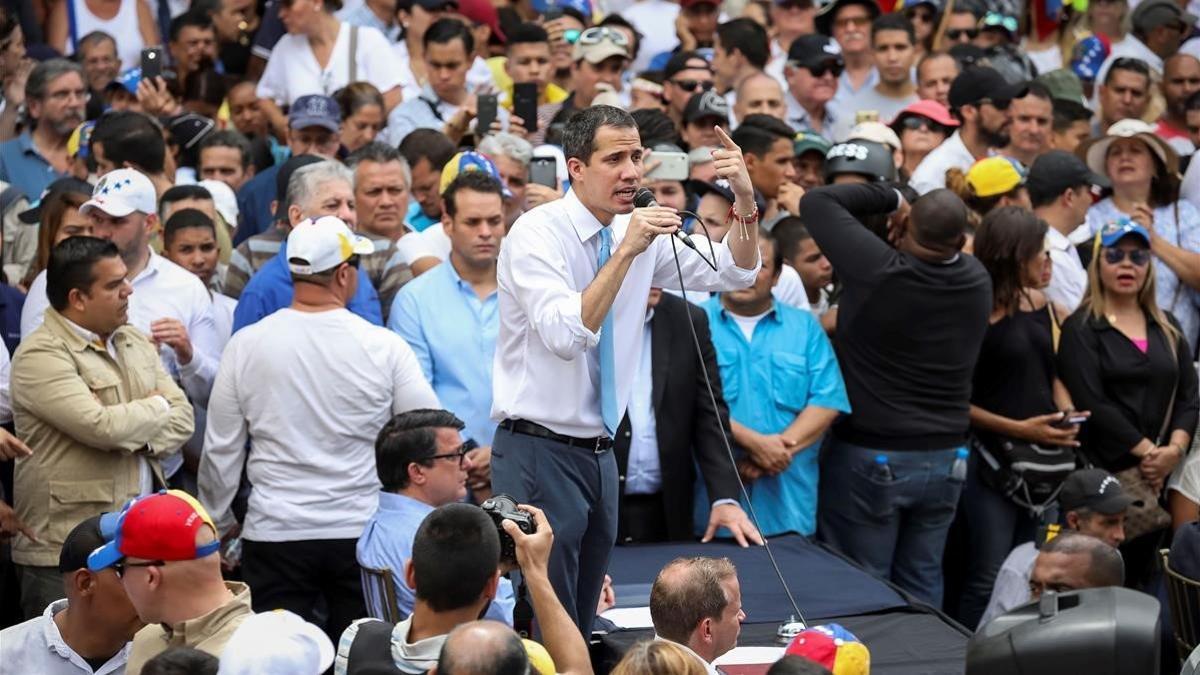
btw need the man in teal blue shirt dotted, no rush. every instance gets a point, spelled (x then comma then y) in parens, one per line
(784, 390)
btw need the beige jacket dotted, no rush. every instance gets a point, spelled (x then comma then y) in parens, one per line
(208, 633)
(89, 420)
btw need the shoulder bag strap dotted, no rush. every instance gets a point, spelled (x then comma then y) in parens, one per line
(371, 651)
(353, 55)
(1055, 329)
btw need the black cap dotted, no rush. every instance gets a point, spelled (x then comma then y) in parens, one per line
(33, 214)
(824, 18)
(284, 176)
(188, 129)
(979, 82)
(810, 51)
(681, 61)
(706, 104)
(1096, 490)
(80, 542)
(1057, 171)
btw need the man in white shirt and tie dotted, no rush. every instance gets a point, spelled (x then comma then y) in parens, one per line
(574, 276)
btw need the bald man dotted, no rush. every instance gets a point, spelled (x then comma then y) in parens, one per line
(482, 648)
(759, 94)
(1181, 79)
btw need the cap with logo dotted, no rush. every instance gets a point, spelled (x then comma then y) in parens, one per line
(601, 42)
(317, 245)
(706, 105)
(1058, 171)
(862, 157)
(992, 176)
(188, 129)
(315, 110)
(160, 526)
(1088, 55)
(833, 647)
(66, 185)
(276, 642)
(812, 51)
(471, 161)
(826, 16)
(1114, 231)
(807, 141)
(978, 83)
(1096, 490)
(121, 192)
(1151, 14)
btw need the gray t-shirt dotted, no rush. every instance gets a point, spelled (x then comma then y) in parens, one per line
(868, 99)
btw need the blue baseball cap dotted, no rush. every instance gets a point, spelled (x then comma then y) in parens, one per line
(581, 7)
(1087, 56)
(128, 79)
(1112, 232)
(471, 161)
(315, 110)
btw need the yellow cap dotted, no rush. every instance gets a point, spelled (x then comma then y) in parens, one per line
(539, 659)
(995, 176)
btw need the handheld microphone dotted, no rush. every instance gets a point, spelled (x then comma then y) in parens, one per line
(643, 198)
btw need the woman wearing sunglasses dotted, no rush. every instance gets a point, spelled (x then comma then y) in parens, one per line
(922, 126)
(1145, 188)
(1126, 361)
(1016, 400)
(924, 16)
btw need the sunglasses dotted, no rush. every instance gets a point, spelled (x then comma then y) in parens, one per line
(997, 20)
(957, 33)
(835, 66)
(596, 35)
(1137, 256)
(924, 16)
(690, 86)
(917, 123)
(119, 568)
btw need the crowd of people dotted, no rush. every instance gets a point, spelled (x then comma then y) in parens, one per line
(293, 289)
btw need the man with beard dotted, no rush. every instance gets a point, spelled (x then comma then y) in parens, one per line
(1181, 79)
(55, 97)
(979, 98)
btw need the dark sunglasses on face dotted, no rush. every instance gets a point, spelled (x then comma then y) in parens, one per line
(690, 86)
(819, 70)
(119, 568)
(923, 17)
(1137, 256)
(956, 33)
(916, 123)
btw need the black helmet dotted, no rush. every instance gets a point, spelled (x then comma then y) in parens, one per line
(863, 157)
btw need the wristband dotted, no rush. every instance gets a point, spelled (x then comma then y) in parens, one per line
(743, 221)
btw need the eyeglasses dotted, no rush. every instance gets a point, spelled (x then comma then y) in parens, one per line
(997, 20)
(65, 95)
(690, 86)
(922, 15)
(119, 568)
(460, 453)
(596, 35)
(1137, 256)
(1000, 105)
(852, 22)
(956, 33)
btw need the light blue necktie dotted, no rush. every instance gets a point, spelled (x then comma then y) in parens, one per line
(608, 372)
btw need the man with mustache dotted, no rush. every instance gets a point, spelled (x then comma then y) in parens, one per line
(55, 98)
(979, 98)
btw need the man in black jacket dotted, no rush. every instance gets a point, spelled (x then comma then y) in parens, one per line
(910, 324)
(670, 428)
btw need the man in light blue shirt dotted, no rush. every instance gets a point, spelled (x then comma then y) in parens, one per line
(421, 461)
(784, 389)
(55, 97)
(450, 314)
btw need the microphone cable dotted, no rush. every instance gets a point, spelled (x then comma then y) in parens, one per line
(712, 397)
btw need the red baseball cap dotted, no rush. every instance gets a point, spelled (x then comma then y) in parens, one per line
(156, 527)
(927, 108)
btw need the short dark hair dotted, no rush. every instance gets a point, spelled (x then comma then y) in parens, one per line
(178, 193)
(72, 267)
(758, 133)
(939, 219)
(792, 664)
(1130, 64)
(1192, 102)
(184, 219)
(375, 151)
(132, 137)
(1067, 113)
(749, 38)
(579, 136)
(475, 181)
(455, 554)
(407, 438)
(1039, 90)
(190, 18)
(893, 21)
(678, 605)
(526, 34)
(427, 144)
(227, 138)
(446, 30)
(655, 127)
(788, 234)
(356, 95)
(182, 661)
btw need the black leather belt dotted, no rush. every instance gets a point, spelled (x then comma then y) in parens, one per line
(598, 445)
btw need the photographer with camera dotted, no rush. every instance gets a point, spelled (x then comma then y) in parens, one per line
(454, 572)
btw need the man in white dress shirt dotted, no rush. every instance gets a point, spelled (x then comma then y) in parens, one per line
(574, 276)
(1060, 188)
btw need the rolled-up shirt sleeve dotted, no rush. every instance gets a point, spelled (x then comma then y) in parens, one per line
(697, 274)
(541, 285)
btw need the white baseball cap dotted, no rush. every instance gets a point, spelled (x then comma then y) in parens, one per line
(276, 643)
(121, 192)
(224, 199)
(316, 245)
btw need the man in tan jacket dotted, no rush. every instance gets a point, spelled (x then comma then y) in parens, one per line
(94, 403)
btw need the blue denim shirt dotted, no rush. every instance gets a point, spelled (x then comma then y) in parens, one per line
(11, 303)
(254, 205)
(386, 543)
(270, 289)
(787, 366)
(21, 165)
(453, 333)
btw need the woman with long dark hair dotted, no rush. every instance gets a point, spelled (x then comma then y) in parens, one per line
(1017, 401)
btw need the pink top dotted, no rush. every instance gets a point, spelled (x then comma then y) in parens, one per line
(1143, 344)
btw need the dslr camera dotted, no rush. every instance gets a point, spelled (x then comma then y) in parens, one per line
(502, 508)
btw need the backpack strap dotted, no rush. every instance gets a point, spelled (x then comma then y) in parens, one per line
(371, 651)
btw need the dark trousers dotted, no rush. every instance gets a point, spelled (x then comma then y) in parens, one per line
(40, 586)
(642, 519)
(577, 489)
(297, 575)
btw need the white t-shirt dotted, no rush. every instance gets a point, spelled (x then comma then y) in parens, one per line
(292, 71)
(930, 174)
(310, 391)
(747, 323)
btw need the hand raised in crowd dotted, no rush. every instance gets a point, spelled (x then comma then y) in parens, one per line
(173, 334)
(14, 86)
(733, 518)
(789, 198)
(533, 550)
(1048, 429)
(11, 525)
(12, 447)
(155, 98)
(537, 194)
(646, 224)
(516, 127)
(730, 165)
(772, 453)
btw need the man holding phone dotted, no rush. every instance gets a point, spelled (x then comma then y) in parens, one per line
(529, 68)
